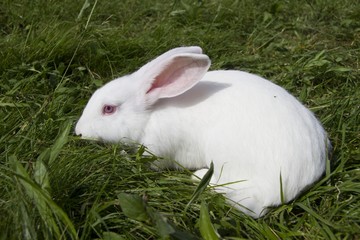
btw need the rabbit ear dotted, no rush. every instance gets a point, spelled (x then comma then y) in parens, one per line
(172, 73)
(179, 50)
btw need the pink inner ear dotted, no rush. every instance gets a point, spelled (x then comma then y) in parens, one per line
(168, 77)
(179, 75)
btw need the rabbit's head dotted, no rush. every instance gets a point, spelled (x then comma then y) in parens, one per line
(120, 109)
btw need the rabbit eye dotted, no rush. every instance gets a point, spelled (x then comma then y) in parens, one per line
(108, 109)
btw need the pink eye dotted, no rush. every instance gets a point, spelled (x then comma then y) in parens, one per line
(108, 109)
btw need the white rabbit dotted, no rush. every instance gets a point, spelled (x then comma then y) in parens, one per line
(251, 129)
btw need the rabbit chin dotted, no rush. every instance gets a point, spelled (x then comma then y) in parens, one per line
(107, 139)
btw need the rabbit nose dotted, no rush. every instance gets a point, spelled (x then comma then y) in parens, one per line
(77, 132)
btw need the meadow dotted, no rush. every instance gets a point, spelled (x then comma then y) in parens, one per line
(55, 54)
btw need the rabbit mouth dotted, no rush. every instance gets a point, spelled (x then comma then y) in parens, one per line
(89, 138)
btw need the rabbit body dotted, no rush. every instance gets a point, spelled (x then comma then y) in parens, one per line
(250, 128)
(254, 131)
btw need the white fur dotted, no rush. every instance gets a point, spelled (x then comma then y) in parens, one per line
(251, 129)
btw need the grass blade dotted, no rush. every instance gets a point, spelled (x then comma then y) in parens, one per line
(206, 228)
(49, 212)
(281, 190)
(133, 206)
(202, 185)
(61, 140)
(314, 214)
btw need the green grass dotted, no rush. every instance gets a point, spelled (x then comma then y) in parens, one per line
(54, 54)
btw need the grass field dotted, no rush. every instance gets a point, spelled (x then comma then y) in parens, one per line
(54, 54)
